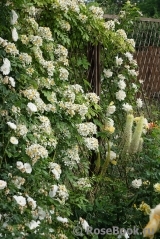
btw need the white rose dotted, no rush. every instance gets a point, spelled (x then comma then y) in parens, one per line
(136, 183)
(13, 140)
(12, 125)
(28, 168)
(53, 191)
(20, 200)
(111, 109)
(19, 165)
(62, 219)
(12, 81)
(112, 155)
(6, 67)
(31, 107)
(14, 34)
(3, 184)
(119, 61)
(14, 17)
(120, 95)
(33, 224)
(108, 73)
(32, 202)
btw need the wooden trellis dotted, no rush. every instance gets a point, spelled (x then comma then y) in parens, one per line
(146, 34)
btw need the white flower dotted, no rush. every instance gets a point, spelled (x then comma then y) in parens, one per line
(41, 213)
(112, 155)
(127, 107)
(135, 87)
(110, 122)
(91, 143)
(27, 167)
(20, 200)
(136, 183)
(13, 140)
(3, 184)
(121, 77)
(55, 169)
(108, 73)
(62, 219)
(14, 34)
(31, 107)
(84, 224)
(139, 103)
(120, 95)
(53, 191)
(12, 125)
(19, 165)
(12, 81)
(132, 72)
(129, 56)
(122, 84)
(14, 17)
(119, 61)
(31, 202)
(33, 224)
(6, 67)
(111, 109)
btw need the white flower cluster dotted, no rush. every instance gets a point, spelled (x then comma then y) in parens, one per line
(45, 33)
(7, 80)
(86, 129)
(31, 94)
(72, 109)
(91, 143)
(24, 167)
(97, 11)
(65, 25)
(139, 103)
(67, 5)
(121, 84)
(63, 73)
(25, 58)
(127, 107)
(71, 157)
(55, 169)
(35, 152)
(110, 25)
(83, 183)
(18, 181)
(107, 73)
(11, 49)
(44, 82)
(46, 125)
(59, 191)
(77, 88)
(83, 18)
(93, 98)
(69, 94)
(21, 130)
(122, 33)
(120, 95)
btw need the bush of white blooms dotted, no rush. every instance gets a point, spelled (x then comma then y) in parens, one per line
(52, 123)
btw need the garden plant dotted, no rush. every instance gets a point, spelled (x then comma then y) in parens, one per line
(70, 157)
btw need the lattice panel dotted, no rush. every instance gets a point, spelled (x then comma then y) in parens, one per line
(147, 38)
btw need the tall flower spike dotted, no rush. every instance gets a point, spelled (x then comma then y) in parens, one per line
(137, 136)
(127, 136)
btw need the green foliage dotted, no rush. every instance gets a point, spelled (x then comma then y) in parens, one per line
(60, 160)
